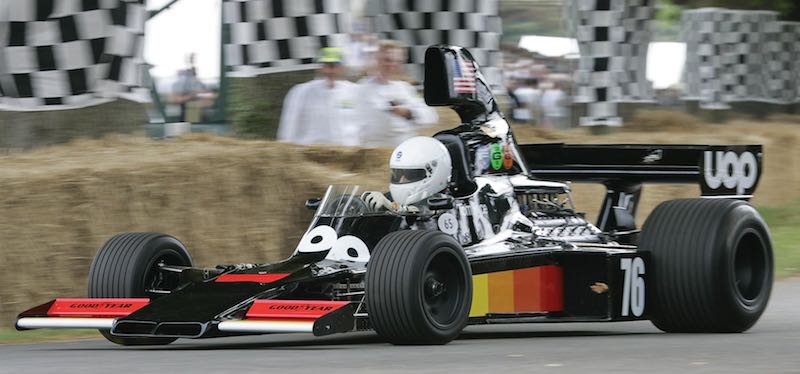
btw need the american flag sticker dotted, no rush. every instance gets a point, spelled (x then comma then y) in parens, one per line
(464, 77)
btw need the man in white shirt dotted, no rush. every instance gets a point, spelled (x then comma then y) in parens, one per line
(391, 110)
(528, 96)
(555, 107)
(322, 111)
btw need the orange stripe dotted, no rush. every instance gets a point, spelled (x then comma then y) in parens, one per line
(526, 290)
(501, 292)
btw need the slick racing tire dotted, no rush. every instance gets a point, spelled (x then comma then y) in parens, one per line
(126, 266)
(418, 287)
(712, 265)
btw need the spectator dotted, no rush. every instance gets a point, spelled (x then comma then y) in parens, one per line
(555, 107)
(390, 109)
(528, 96)
(322, 111)
(186, 89)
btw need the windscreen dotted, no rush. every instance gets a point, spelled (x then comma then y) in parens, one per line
(342, 201)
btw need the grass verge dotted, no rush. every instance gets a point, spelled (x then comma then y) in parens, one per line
(11, 336)
(784, 226)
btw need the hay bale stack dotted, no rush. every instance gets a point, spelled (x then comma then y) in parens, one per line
(229, 201)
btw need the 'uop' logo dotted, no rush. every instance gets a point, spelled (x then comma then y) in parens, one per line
(732, 171)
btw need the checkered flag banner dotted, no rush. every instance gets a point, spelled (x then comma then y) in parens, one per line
(267, 36)
(735, 55)
(613, 37)
(472, 24)
(62, 54)
(782, 67)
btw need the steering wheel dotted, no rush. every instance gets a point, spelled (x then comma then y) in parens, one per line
(356, 207)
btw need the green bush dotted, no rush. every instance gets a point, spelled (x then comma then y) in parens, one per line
(254, 106)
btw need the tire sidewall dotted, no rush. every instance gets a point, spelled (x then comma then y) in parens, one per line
(395, 294)
(739, 222)
(148, 254)
(441, 243)
(120, 268)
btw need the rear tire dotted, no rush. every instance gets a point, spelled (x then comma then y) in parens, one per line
(125, 267)
(712, 265)
(419, 288)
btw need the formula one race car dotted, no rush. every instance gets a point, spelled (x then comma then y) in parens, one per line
(502, 243)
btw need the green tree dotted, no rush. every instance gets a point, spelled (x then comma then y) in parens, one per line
(788, 9)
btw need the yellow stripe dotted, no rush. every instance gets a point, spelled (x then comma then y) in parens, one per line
(480, 295)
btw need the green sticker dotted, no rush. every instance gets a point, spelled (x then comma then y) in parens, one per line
(496, 155)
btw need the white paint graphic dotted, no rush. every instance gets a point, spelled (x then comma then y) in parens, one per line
(341, 250)
(633, 289)
(324, 238)
(731, 171)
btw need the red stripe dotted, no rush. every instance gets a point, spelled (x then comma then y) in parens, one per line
(257, 278)
(88, 307)
(552, 288)
(292, 309)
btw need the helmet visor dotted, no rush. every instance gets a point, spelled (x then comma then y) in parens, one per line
(403, 176)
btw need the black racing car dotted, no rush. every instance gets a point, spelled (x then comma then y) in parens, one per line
(504, 244)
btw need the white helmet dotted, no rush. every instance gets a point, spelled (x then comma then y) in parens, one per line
(420, 168)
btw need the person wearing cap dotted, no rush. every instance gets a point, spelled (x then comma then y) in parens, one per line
(322, 111)
(391, 110)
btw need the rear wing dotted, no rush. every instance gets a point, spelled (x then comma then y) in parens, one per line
(721, 171)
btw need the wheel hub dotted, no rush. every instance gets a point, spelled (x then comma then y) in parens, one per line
(434, 288)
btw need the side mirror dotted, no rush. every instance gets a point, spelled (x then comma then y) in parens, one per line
(440, 202)
(313, 204)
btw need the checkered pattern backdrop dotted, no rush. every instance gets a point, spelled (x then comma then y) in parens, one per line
(735, 56)
(782, 62)
(264, 36)
(613, 36)
(57, 54)
(473, 24)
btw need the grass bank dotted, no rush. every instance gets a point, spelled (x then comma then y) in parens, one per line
(784, 226)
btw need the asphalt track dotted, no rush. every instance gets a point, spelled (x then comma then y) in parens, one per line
(772, 346)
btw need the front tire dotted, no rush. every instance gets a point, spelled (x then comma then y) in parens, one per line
(419, 288)
(126, 266)
(713, 265)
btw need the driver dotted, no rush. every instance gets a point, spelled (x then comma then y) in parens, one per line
(421, 168)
